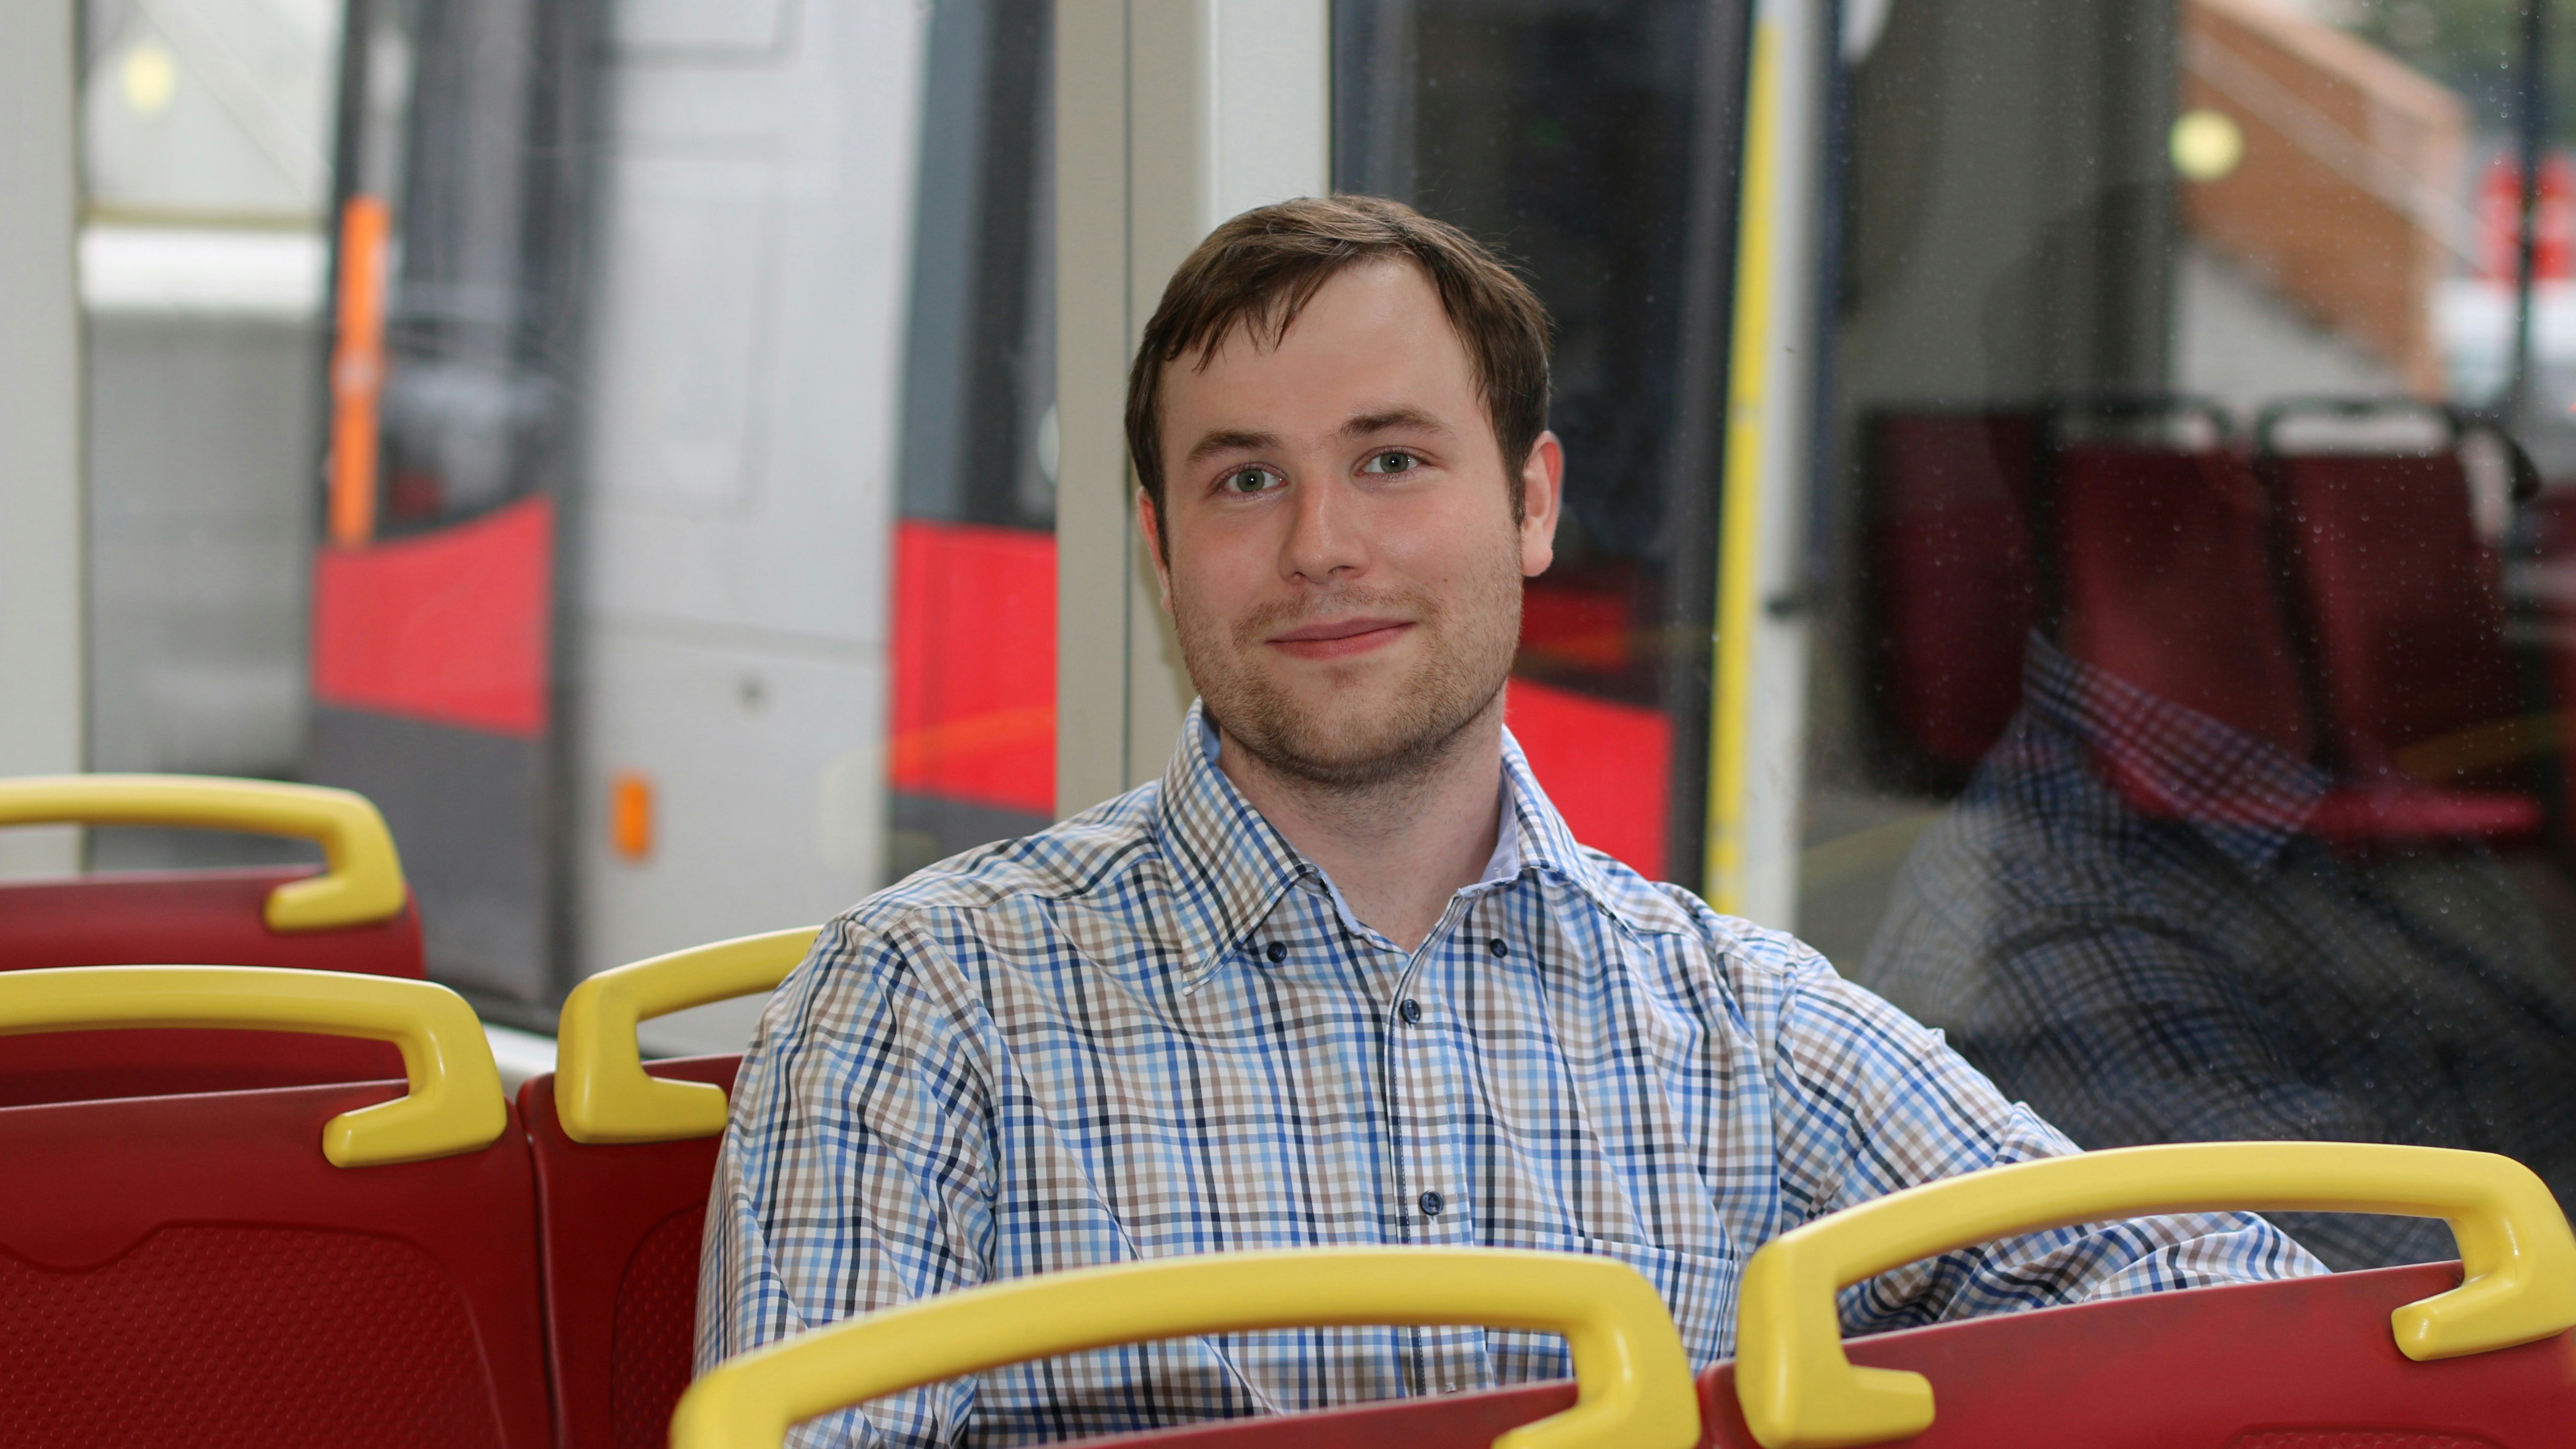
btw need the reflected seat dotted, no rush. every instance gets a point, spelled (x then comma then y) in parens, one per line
(624, 1152)
(2174, 569)
(1953, 587)
(2435, 1356)
(2400, 606)
(356, 915)
(352, 1263)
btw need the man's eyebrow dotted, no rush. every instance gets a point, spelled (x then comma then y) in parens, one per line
(1232, 441)
(1390, 420)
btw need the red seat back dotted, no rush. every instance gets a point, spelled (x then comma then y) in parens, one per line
(201, 918)
(2404, 606)
(2289, 1365)
(619, 1227)
(192, 1270)
(2165, 579)
(1952, 586)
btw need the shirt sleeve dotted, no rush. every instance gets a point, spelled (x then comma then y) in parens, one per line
(1871, 1102)
(854, 1174)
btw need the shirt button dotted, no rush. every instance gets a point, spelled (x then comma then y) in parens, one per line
(1277, 951)
(1431, 1204)
(1497, 947)
(1411, 1011)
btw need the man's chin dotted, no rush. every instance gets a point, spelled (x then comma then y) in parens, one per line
(1351, 743)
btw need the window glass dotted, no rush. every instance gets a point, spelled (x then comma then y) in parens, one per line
(1593, 146)
(206, 139)
(2195, 514)
(971, 749)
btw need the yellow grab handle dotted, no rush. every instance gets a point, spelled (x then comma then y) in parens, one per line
(2517, 1255)
(362, 883)
(1633, 1382)
(455, 1100)
(602, 1092)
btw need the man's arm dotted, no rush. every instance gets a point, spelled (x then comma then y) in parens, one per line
(1870, 1102)
(853, 1174)
(2124, 1024)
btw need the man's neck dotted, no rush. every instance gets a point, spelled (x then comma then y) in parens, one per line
(1399, 850)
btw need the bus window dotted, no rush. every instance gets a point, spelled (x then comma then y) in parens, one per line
(206, 179)
(2193, 522)
(971, 737)
(1593, 146)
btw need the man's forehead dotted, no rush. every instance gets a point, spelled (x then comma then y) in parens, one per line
(1369, 351)
(1381, 294)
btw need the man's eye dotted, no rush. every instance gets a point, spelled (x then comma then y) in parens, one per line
(1391, 461)
(1249, 480)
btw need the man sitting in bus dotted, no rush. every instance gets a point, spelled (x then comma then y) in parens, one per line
(1342, 975)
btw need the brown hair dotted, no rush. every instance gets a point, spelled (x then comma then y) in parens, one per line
(1260, 269)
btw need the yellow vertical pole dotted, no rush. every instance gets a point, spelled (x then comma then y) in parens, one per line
(1739, 523)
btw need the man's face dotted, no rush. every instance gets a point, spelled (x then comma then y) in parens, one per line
(1343, 565)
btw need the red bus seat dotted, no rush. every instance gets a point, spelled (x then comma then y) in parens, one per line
(1952, 586)
(624, 1154)
(2165, 576)
(2403, 608)
(355, 916)
(2393, 1359)
(329, 1265)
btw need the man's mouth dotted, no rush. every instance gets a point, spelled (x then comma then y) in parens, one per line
(1340, 638)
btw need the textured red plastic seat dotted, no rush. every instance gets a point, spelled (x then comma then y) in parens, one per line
(1952, 585)
(623, 1165)
(620, 1225)
(236, 1268)
(210, 918)
(2392, 1359)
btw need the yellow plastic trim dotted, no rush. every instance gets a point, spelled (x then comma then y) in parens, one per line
(1634, 1383)
(362, 884)
(455, 1100)
(1740, 511)
(602, 1092)
(1799, 1391)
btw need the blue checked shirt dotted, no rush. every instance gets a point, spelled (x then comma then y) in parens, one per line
(1155, 1030)
(2174, 958)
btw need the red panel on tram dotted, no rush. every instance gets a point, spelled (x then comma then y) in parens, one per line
(974, 664)
(1605, 765)
(451, 628)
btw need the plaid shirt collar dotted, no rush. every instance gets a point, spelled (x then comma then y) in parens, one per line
(1230, 866)
(2246, 796)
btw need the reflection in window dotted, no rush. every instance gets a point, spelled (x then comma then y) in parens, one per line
(2186, 726)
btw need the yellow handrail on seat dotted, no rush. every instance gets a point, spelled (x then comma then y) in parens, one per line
(362, 881)
(1634, 1388)
(1799, 1391)
(602, 1092)
(455, 1102)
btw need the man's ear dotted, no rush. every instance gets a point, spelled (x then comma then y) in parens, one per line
(1149, 520)
(1542, 503)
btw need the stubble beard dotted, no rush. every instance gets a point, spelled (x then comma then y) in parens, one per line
(1339, 752)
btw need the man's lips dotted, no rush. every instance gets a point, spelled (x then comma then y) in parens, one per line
(1340, 638)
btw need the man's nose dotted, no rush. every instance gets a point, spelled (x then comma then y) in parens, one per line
(1324, 538)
